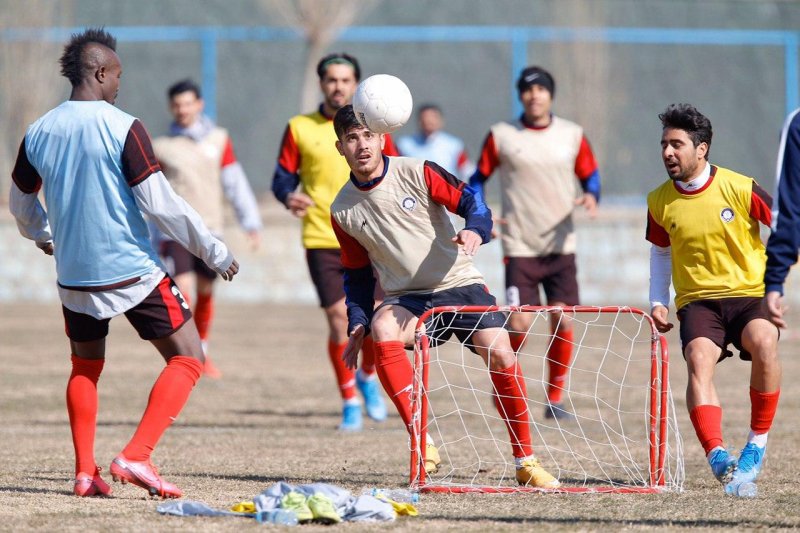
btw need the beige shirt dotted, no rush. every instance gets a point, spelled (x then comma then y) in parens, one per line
(406, 235)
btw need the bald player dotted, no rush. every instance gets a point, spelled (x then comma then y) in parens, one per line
(96, 168)
(392, 214)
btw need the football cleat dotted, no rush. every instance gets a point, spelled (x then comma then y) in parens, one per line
(91, 484)
(351, 418)
(556, 411)
(743, 482)
(143, 474)
(323, 510)
(373, 401)
(531, 474)
(723, 464)
(210, 369)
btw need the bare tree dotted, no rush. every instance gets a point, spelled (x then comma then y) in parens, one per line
(29, 80)
(321, 23)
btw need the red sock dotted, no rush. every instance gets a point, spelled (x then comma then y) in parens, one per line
(517, 341)
(204, 314)
(168, 396)
(82, 409)
(368, 356)
(345, 377)
(762, 410)
(707, 422)
(396, 375)
(558, 358)
(511, 401)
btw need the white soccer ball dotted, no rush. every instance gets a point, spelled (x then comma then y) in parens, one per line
(382, 103)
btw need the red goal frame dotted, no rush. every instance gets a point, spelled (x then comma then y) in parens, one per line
(658, 412)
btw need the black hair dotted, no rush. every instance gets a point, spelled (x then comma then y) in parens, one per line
(75, 63)
(344, 120)
(685, 117)
(182, 87)
(338, 59)
(536, 76)
(429, 107)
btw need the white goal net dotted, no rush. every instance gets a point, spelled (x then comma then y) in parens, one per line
(621, 434)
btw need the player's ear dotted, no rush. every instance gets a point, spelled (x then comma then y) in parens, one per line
(383, 141)
(100, 74)
(702, 150)
(339, 147)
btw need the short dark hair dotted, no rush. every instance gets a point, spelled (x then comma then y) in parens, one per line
(345, 120)
(687, 118)
(429, 107)
(184, 86)
(75, 65)
(338, 59)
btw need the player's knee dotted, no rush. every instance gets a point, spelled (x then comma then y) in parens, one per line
(384, 330)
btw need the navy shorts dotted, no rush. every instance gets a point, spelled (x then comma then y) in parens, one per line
(159, 315)
(178, 260)
(444, 325)
(327, 273)
(556, 273)
(721, 321)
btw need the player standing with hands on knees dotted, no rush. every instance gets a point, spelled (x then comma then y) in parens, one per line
(392, 214)
(96, 167)
(308, 158)
(703, 224)
(538, 158)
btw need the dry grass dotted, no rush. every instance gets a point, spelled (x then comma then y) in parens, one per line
(271, 418)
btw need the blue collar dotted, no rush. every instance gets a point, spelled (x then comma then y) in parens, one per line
(374, 181)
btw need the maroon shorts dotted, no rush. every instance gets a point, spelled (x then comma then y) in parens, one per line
(327, 273)
(159, 315)
(721, 321)
(178, 260)
(556, 273)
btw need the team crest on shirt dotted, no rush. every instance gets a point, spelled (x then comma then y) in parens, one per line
(726, 214)
(409, 203)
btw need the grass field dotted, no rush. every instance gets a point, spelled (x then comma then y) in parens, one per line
(272, 418)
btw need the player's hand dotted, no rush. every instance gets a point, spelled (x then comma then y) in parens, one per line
(254, 237)
(469, 240)
(589, 202)
(660, 314)
(46, 247)
(298, 203)
(354, 343)
(497, 222)
(775, 308)
(232, 271)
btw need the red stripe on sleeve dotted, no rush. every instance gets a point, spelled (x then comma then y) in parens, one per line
(138, 159)
(228, 156)
(445, 188)
(389, 148)
(354, 255)
(171, 301)
(761, 205)
(489, 159)
(463, 158)
(655, 233)
(24, 174)
(289, 155)
(585, 164)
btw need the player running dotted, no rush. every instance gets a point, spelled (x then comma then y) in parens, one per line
(538, 158)
(98, 172)
(308, 158)
(392, 215)
(703, 224)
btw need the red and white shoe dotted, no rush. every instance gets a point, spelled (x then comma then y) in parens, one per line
(210, 369)
(143, 474)
(91, 484)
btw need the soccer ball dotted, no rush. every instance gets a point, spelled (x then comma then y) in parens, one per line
(382, 103)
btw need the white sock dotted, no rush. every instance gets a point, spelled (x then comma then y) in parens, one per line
(758, 440)
(365, 377)
(519, 460)
(708, 455)
(353, 401)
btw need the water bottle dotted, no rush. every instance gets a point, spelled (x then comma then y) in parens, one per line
(398, 495)
(281, 517)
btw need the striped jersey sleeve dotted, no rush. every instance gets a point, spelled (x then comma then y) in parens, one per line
(138, 159)
(456, 197)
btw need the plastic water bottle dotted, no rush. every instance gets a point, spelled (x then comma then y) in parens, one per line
(398, 495)
(281, 517)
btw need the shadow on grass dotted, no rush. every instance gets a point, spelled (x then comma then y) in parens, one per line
(290, 414)
(34, 490)
(733, 524)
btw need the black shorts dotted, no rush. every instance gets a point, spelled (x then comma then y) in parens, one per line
(443, 326)
(159, 315)
(178, 260)
(327, 273)
(721, 321)
(557, 273)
